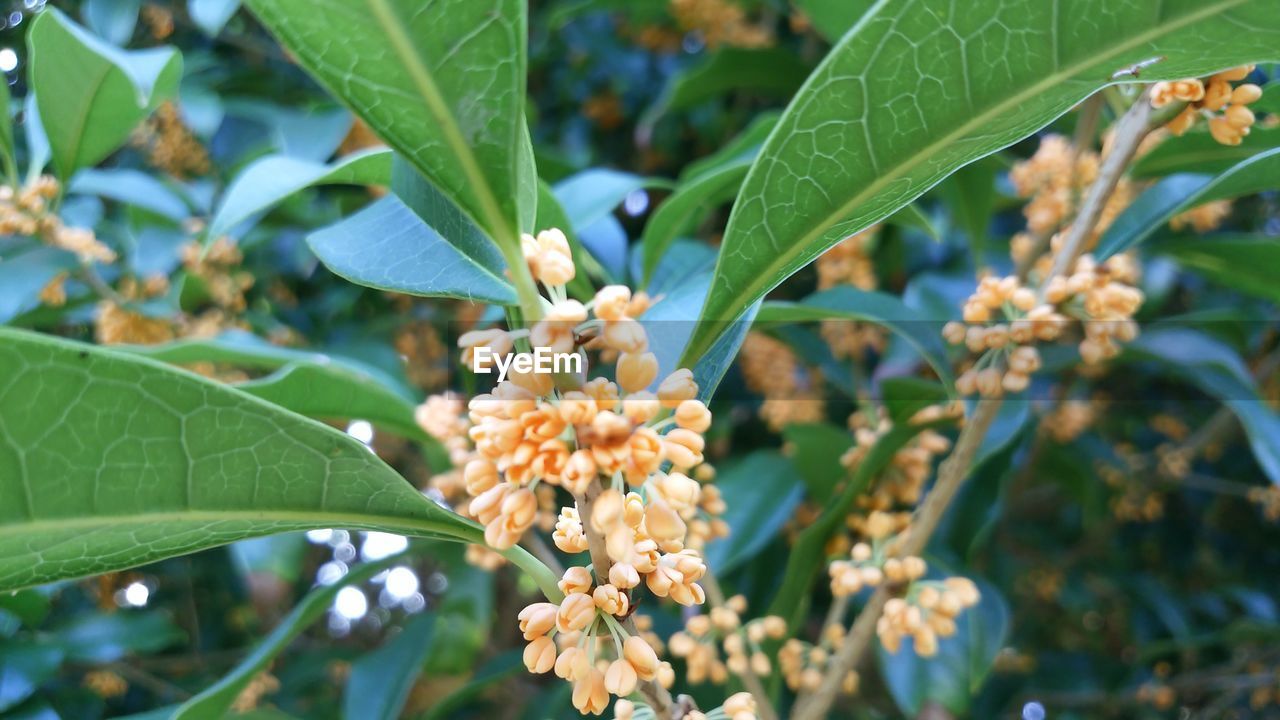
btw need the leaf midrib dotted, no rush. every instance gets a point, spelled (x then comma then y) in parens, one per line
(316, 519)
(402, 46)
(785, 257)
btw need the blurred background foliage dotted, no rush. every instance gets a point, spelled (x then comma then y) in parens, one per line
(1124, 534)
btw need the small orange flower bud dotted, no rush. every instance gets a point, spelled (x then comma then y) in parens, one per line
(636, 371)
(537, 619)
(620, 679)
(579, 470)
(589, 693)
(611, 302)
(577, 612)
(540, 655)
(684, 447)
(693, 415)
(607, 512)
(625, 335)
(577, 579)
(641, 656)
(577, 408)
(479, 476)
(677, 387)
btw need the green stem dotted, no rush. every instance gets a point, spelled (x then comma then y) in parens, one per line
(541, 574)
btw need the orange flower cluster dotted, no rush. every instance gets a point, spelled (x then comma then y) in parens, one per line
(928, 612)
(705, 636)
(721, 22)
(1214, 98)
(169, 144)
(26, 211)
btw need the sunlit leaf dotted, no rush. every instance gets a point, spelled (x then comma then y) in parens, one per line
(917, 89)
(91, 94)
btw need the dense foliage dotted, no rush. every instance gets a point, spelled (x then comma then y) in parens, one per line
(933, 347)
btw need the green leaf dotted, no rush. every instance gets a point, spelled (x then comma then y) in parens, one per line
(919, 88)
(849, 303)
(761, 492)
(269, 180)
(690, 202)
(24, 275)
(442, 84)
(768, 72)
(110, 460)
(389, 247)
(380, 681)
(112, 20)
(1198, 152)
(212, 15)
(1239, 262)
(91, 95)
(215, 701)
(903, 397)
(953, 677)
(743, 145)
(331, 393)
(970, 195)
(131, 187)
(910, 216)
(815, 449)
(24, 668)
(1178, 193)
(1217, 370)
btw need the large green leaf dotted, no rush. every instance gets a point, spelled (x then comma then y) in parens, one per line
(271, 179)
(1179, 193)
(216, 700)
(1198, 152)
(846, 302)
(1241, 262)
(131, 187)
(109, 460)
(91, 95)
(919, 88)
(442, 83)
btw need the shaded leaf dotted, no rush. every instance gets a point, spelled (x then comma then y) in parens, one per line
(690, 202)
(1198, 152)
(215, 701)
(1178, 193)
(815, 449)
(380, 681)
(211, 15)
(849, 303)
(23, 276)
(269, 180)
(1240, 262)
(761, 492)
(131, 187)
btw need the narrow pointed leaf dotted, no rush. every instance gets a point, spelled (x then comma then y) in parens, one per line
(850, 303)
(691, 201)
(442, 83)
(108, 461)
(1240, 262)
(1179, 193)
(919, 88)
(215, 701)
(1198, 152)
(270, 180)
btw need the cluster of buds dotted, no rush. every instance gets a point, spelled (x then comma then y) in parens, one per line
(572, 639)
(739, 706)
(1226, 107)
(721, 23)
(927, 612)
(629, 451)
(117, 323)
(169, 144)
(792, 393)
(1068, 420)
(902, 481)
(1003, 319)
(719, 643)
(1268, 499)
(27, 211)
(870, 566)
(217, 268)
(1053, 180)
(804, 664)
